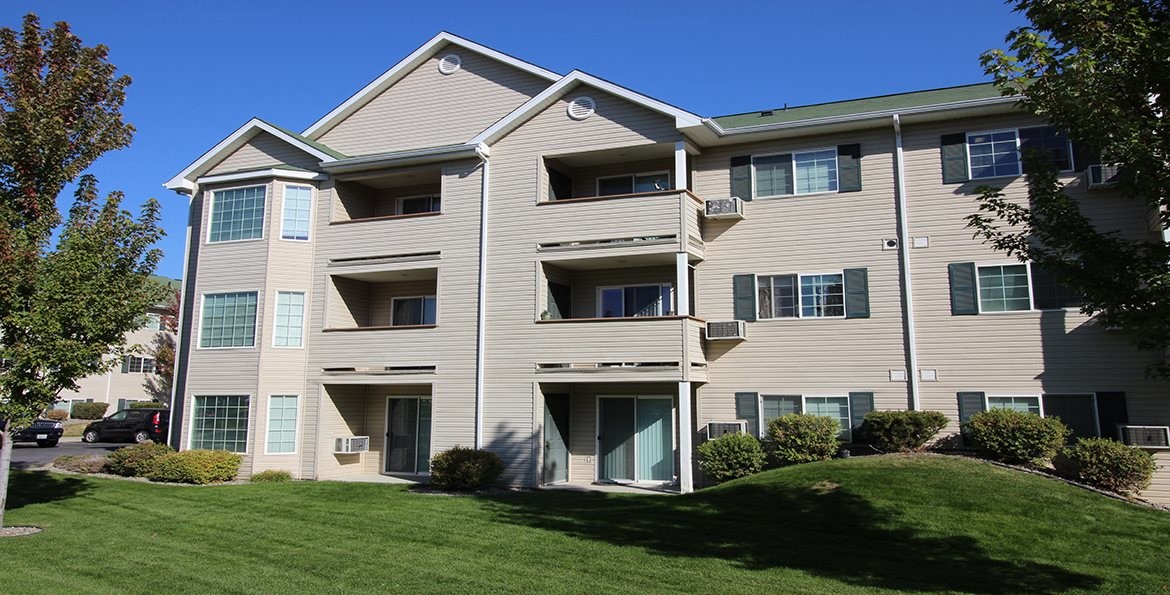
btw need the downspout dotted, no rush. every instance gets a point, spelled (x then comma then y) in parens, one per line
(904, 241)
(179, 345)
(481, 311)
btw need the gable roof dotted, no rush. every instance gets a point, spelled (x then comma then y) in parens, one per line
(185, 180)
(408, 64)
(550, 95)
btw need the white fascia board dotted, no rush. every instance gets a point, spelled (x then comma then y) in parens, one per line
(405, 158)
(286, 174)
(495, 132)
(409, 63)
(235, 140)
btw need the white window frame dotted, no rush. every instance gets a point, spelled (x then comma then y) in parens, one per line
(661, 308)
(141, 366)
(979, 287)
(304, 318)
(191, 419)
(799, 309)
(1019, 148)
(255, 326)
(153, 319)
(794, 153)
(211, 213)
(1039, 400)
(634, 181)
(761, 425)
(424, 307)
(312, 211)
(399, 200)
(296, 425)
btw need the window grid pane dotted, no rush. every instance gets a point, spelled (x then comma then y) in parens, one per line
(773, 175)
(237, 214)
(282, 424)
(1022, 404)
(816, 172)
(834, 407)
(822, 296)
(229, 320)
(1004, 288)
(777, 296)
(220, 423)
(298, 202)
(993, 154)
(290, 318)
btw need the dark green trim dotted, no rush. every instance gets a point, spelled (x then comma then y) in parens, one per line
(856, 293)
(860, 405)
(954, 158)
(743, 291)
(964, 302)
(970, 403)
(849, 168)
(741, 177)
(747, 409)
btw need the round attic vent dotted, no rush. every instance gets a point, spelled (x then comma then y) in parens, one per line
(581, 107)
(450, 63)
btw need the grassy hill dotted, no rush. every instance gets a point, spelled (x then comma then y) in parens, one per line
(922, 523)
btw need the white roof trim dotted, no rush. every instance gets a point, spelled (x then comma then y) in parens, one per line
(409, 63)
(287, 174)
(235, 140)
(404, 158)
(547, 97)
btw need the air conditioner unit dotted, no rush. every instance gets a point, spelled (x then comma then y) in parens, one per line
(724, 208)
(727, 330)
(716, 429)
(351, 444)
(1146, 436)
(1102, 176)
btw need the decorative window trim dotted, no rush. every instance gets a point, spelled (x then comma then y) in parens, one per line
(247, 419)
(633, 177)
(793, 154)
(276, 313)
(422, 311)
(797, 296)
(296, 426)
(1019, 155)
(202, 313)
(662, 308)
(284, 210)
(211, 213)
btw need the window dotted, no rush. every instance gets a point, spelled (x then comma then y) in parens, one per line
(282, 424)
(153, 322)
(1004, 288)
(137, 365)
(298, 208)
(237, 214)
(632, 183)
(998, 153)
(419, 204)
(773, 406)
(290, 319)
(1024, 404)
(220, 423)
(635, 301)
(819, 296)
(834, 407)
(412, 311)
(795, 173)
(228, 320)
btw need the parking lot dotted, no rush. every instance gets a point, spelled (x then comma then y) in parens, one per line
(27, 455)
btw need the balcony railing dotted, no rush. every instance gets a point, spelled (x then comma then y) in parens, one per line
(670, 220)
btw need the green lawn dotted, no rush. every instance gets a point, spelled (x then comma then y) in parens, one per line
(862, 524)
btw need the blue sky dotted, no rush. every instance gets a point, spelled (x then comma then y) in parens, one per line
(202, 69)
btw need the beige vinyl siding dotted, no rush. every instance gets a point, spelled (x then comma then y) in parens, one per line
(427, 108)
(587, 285)
(114, 385)
(383, 294)
(1159, 490)
(264, 150)
(808, 234)
(343, 413)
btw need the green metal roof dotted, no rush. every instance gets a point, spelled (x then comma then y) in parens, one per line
(860, 106)
(311, 143)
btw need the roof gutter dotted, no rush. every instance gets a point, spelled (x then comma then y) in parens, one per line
(904, 245)
(481, 309)
(406, 158)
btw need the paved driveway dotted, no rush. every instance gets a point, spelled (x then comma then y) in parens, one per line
(27, 455)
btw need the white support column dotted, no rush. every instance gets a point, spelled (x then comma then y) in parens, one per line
(680, 165)
(686, 482)
(682, 284)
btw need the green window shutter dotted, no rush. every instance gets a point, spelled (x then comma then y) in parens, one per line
(849, 168)
(1084, 155)
(963, 299)
(969, 404)
(744, 292)
(856, 293)
(741, 177)
(1111, 412)
(125, 364)
(954, 158)
(1048, 292)
(860, 404)
(746, 408)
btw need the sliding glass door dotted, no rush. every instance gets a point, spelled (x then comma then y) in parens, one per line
(636, 439)
(408, 435)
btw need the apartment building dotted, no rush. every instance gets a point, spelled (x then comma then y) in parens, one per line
(473, 250)
(126, 382)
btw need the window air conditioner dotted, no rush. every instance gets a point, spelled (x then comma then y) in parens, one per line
(1101, 176)
(734, 330)
(351, 444)
(716, 429)
(1146, 436)
(724, 208)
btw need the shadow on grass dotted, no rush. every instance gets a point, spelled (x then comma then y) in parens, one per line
(39, 487)
(823, 530)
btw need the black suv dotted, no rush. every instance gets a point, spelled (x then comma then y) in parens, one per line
(130, 425)
(45, 432)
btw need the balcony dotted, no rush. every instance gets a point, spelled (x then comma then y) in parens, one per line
(382, 300)
(395, 194)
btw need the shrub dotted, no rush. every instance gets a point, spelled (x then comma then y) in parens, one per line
(195, 466)
(89, 410)
(801, 438)
(145, 405)
(81, 463)
(1107, 464)
(902, 431)
(56, 415)
(1016, 436)
(465, 468)
(135, 461)
(731, 456)
(272, 476)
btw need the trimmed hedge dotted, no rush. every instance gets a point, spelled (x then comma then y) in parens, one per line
(465, 469)
(146, 405)
(81, 463)
(731, 456)
(195, 466)
(1016, 436)
(902, 431)
(134, 461)
(1107, 464)
(88, 410)
(56, 414)
(802, 438)
(271, 476)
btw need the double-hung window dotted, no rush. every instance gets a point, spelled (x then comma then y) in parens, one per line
(282, 424)
(298, 209)
(228, 320)
(132, 364)
(220, 423)
(795, 173)
(635, 301)
(754, 407)
(633, 183)
(290, 319)
(411, 205)
(804, 296)
(998, 153)
(237, 214)
(1025, 404)
(1004, 288)
(979, 289)
(413, 311)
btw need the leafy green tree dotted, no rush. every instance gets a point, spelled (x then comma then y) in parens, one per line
(63, 309)
(1099, 70)
(162, 349)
